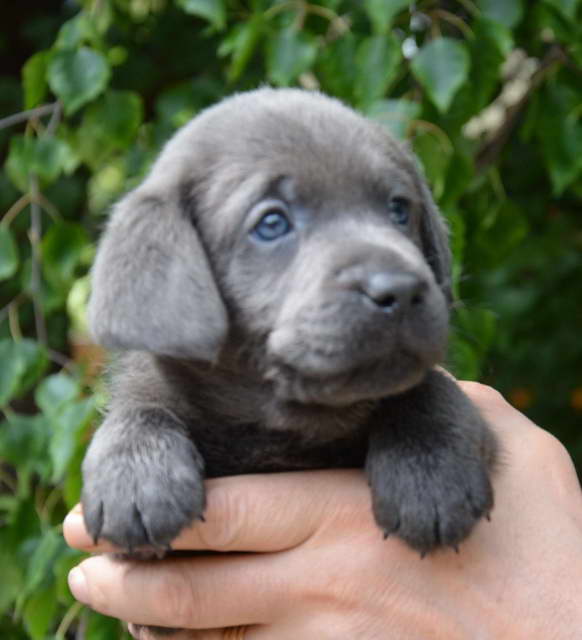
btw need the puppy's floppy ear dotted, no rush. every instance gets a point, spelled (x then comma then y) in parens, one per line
(152, 286)
(435, 241)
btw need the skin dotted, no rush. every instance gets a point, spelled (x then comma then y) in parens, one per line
(321, 570)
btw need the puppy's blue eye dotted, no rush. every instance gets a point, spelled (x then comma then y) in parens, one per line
(271, 226)
(399, 209)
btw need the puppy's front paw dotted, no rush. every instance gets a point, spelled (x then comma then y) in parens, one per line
(433, 507)
(140, 492)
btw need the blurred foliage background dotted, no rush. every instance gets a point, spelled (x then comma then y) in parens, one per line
(489, 92)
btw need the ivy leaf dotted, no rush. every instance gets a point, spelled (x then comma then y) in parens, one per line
(561, 135)
(63, 247)
(213, 10)
(43, 558)
(55, 392)
(45, 158)
(441, 67)
(335, 66)
(35, 358)
(34, 79)
(11, 371)
(39, 611)
(568, 8)
(507, 12)
(377, 59)
(23, 361)
(289, 54)
(108, 124)
(241, 44)
(77, 76)
(67, 425)
(382, 12)
(76, 31)
(8, 254)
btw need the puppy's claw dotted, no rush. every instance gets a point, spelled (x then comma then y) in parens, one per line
(455, 548)
(98, 525)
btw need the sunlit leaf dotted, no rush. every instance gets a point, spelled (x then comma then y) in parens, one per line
(378, 60)
(34, 80)
(382, 12)
(441, 67)
(77, 76)
(507, 12)
(55, 392)
(63, 248)
(213, 10)
(67, 426)
(289, 53)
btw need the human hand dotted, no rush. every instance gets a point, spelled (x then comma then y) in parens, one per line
(321, 569)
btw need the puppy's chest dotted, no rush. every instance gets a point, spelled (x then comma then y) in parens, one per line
(250, 448)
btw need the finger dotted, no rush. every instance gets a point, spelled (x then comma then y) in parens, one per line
(266, 512)
(206, 592)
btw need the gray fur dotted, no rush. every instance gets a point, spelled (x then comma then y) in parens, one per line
(316, 350)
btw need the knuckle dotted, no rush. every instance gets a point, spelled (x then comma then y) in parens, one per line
(173, 605)
(222, 532)
(483, 395)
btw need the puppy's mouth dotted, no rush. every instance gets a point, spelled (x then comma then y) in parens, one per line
(376, 379)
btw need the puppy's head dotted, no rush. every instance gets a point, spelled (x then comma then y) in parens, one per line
(283, 219)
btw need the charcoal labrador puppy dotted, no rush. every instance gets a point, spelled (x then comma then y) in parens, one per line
(280, 283)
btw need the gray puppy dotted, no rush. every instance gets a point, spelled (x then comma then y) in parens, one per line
(281, 281)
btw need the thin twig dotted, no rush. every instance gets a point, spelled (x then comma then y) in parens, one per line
(35, 234)
(68, 619)
(23, 116)
(15, 209)
(14, 323)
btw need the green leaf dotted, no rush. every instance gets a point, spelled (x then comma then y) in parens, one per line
(100, 627)
(434, 152)
(507, 12)
(567, 8)
(67, 427)
(34, 79)
(441, 67)
(11, 371)
(39, 611)
(8, 254)
(77, 76)
(35, 359)
(382, 12)
(77, 31)
(45, 157)
(55, 392)
(39, 570)
(289, 54)
(335, 66)
(395, 115)
(213, 10)
(241, 44)
(560, 134)
(109, 124)
(378, 59)
(12, 577)
(63, 247)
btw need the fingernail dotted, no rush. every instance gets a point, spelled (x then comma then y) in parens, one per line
(74, 527)
(78, 585)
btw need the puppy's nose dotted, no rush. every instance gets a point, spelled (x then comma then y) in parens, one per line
(394, 292)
